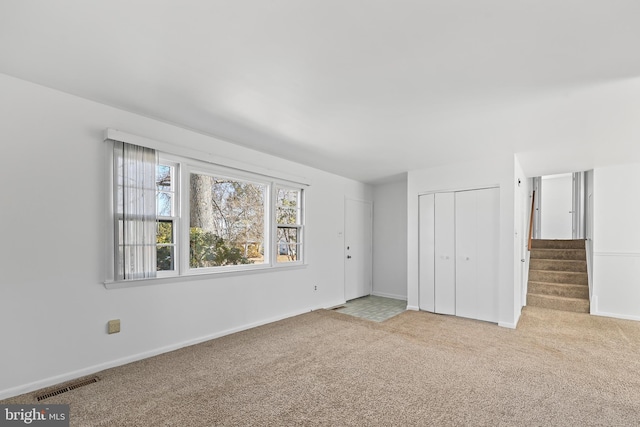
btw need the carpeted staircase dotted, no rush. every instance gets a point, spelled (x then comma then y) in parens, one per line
(558, 275)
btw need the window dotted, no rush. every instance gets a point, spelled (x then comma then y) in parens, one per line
(176, 216)
(288, 224)
(227, 221)
(166, 217)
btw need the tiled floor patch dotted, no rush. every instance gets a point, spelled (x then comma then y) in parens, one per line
(373, 308)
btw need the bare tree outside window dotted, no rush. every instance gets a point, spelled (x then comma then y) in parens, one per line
(226, 221)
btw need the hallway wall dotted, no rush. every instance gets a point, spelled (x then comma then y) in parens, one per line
(390, 239)
(616, 242)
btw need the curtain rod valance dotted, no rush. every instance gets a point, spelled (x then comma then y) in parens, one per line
(116, 135)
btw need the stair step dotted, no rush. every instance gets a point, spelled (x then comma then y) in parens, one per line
(558, 265)
(568, 277)
(577, 305)
(559, 254)
(565, 290)
(557, 244)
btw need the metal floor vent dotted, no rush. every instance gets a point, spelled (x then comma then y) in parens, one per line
(67, 387)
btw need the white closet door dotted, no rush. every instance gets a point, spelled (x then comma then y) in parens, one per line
(466, 239)
(445, 272)
(476, 243)
(427, 252)
(487, 256)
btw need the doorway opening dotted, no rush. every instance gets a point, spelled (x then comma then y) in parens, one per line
(562, 206)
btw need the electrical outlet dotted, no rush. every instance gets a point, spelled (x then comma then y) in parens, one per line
(113, 326)
(315, 288)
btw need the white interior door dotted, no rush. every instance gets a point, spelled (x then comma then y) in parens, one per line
(427, 252)
(444, 237)
(477, 233)
(358, 249)
(556, 207)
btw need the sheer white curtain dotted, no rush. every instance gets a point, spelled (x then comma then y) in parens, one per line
(135, 211)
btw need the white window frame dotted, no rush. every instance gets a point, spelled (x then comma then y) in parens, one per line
(299, 225)
(175, 217)
(183, 159)
(219, 172)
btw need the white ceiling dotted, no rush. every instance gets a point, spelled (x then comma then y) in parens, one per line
(364, 88)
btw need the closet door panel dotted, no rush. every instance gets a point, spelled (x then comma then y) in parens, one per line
(466, 225)
(487, 256)
(427, 252)
(445, 274)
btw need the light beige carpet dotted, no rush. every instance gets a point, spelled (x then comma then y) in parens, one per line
(327, 368)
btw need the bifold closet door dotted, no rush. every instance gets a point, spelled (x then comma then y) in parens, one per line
(476, 242)
(445, 249)
(437, 274)
(427, 252)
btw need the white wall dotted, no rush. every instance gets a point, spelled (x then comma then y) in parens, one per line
(54, 305)
(390, 239)
(555, 206)
(576, 129)
(589, 212)
(616, 242)
(496, 170)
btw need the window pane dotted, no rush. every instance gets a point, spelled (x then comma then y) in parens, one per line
(165, 232)
(163, 177)
(287, 197)
(288, 206)
(164, 204)
(287, 235)
(288, 244)
(287, 216)
(164, 190)
(165, 245)
(288, 253)
(226, 222)
(165, 258)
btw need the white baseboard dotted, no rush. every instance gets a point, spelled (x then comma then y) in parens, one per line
(57, 379)
(596, 312)
(616, 315)
(330, 306)
(392, 296)
(413, 308)
(515, 322)
(507, 325)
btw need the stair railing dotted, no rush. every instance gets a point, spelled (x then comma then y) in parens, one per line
(533, 201)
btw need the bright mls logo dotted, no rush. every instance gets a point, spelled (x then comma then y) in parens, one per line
(34, 415)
